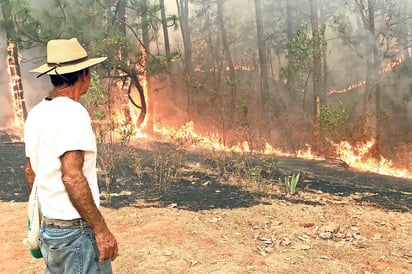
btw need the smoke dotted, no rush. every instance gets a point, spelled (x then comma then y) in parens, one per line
(34, 89)
(6, 110)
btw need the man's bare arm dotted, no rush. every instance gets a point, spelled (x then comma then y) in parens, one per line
(30, 175)
(81, 197)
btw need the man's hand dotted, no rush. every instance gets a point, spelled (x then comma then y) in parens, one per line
(107, 244)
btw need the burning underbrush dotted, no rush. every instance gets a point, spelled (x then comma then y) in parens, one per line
(182, 171)
(362, 155)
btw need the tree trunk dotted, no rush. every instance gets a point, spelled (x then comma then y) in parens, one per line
(120, 18)
(19, 104)
(164, 27)
(317, 61)
(371, 86)
(375, 69)
(289, 34)
(183, 11)
(119, 23)
(264, 85)
(325, 74)
(324, 54)
(406, 31)
(143, 107)
(146, 49)
(228, 56)
(213, 67)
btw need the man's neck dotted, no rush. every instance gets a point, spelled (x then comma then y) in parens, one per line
(66, 91)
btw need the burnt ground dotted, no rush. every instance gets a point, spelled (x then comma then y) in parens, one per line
(200, 188)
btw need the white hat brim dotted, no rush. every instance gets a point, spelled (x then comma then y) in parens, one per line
(68, 68)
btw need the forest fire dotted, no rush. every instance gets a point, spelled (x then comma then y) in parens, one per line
(397, 61)
(187, 136)
(349, 88)
(121, 128)
(125, 121)
(387, 67)
(359, 156)
(13, 68)
(356, 156)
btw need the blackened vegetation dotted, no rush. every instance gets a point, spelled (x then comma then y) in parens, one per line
(197, 182)
(12, 179)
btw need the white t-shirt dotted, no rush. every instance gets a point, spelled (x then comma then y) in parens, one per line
(52, 128)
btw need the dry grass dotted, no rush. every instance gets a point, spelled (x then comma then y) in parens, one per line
(275, 237)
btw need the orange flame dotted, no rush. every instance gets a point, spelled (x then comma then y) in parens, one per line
(358, 156)
(188, 136)
(15, 88)
(392, 64)
(387, 67)
(350, 87)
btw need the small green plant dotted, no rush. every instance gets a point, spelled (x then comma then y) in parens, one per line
(126, 130)
(291, 182)
(332, 120)
(265, 171)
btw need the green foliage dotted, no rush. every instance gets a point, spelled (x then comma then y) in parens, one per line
(99, 114)
(94, 24)
(57, 19)
(264, 171)
(333, 120)
(113, 42)
(97, 94)
(126, 131)
(300, 49)
(291, 183)
(243, 170)
(19, 12)
(245, 109)
(300, 45)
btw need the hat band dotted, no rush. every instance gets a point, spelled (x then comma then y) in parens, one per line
(56, 65)
(68, 62)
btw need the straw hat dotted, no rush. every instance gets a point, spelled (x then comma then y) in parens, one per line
(65, 56)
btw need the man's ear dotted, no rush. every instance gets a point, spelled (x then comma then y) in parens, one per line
(85, 74)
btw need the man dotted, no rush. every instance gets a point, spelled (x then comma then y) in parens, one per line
(61, 157)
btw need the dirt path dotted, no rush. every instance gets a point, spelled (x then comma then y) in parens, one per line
(279, 237)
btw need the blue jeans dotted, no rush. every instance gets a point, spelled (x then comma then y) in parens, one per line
(71, 251)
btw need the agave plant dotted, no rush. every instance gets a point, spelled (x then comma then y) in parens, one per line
(291, 182)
